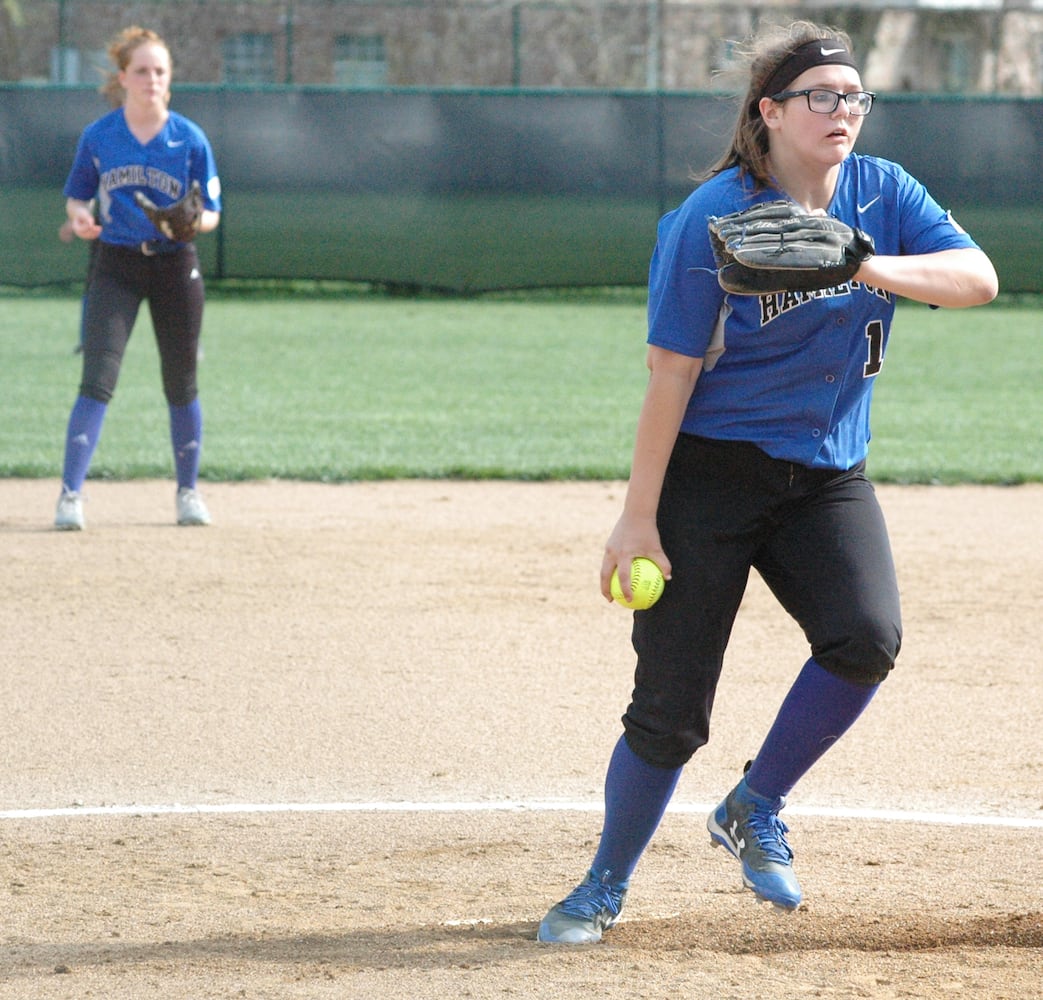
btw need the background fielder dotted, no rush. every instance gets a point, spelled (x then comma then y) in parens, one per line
(141, 146)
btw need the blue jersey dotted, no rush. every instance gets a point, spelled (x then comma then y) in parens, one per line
(111, 164)
(793, 372)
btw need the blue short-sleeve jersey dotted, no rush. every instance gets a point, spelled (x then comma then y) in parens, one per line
(110, 165)
(793, 372)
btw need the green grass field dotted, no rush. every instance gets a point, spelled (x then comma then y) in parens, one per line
(461, 244)
(362, 386)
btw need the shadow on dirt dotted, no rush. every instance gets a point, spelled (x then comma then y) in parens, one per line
(470, 946)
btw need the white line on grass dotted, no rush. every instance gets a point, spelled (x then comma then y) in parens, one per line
(549, 805)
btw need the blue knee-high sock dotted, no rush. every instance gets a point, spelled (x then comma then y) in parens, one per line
(636, 797)
(186, 435)
(81, 438)
(818, 710)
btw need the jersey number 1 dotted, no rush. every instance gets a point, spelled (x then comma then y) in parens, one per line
(875, 338)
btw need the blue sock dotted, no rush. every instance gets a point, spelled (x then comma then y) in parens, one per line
(186, 435)
(818, 710)
(636, 796)
(81, 438)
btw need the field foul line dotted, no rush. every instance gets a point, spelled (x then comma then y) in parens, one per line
(242, 808)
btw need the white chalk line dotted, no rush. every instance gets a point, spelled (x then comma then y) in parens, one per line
(520, 806)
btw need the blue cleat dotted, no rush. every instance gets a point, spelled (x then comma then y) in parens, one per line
(581, 917)
(748, 825)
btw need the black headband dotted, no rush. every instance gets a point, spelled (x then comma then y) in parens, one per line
(821, 52)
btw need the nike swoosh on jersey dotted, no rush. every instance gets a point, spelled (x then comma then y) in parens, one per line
(174, 144)
(830, 52)
(867, 205)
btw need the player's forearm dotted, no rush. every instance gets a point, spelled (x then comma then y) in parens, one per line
(670, 386)
(952, 278)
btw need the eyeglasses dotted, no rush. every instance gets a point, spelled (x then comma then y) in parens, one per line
(825, 102)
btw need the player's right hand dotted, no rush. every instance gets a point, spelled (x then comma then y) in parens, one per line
(81, 217)
(630, 539)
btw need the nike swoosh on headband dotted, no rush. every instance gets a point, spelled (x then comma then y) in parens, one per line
(831, 52)
(867, 205)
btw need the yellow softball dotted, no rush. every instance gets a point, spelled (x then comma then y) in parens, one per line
(646, 582)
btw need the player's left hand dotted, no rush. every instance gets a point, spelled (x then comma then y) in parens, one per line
(778, 247)
(180, 221)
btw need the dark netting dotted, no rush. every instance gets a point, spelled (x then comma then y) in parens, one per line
(475, 190)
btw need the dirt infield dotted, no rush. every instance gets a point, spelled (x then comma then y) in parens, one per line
(349, 742)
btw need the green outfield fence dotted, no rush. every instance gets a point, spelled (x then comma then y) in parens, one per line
(468, 191)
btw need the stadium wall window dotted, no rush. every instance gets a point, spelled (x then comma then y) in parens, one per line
(359, 61)
(957, 65)
(69, 65)
(248, 59)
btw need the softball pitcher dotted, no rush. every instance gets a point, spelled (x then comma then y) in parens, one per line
(141, 148)
(750, 454)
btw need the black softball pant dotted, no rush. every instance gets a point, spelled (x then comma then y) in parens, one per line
(121, 278)
(816, 537)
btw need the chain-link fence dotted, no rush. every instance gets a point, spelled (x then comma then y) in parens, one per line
(660, 45)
